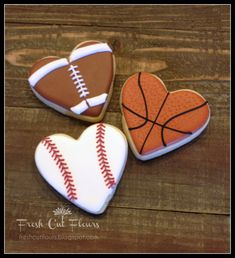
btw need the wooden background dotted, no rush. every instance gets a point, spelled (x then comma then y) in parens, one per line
(176, 203)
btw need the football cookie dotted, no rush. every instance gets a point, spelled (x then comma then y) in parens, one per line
(156, 121)
(80, 86)
(85, 171)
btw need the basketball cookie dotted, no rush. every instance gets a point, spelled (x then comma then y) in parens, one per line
(80, 86)
(85, 171)
(156, 121)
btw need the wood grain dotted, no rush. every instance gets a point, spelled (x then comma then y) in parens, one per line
(156, 184)
(173, 204)
(122, 231)
(173, 55)
(192, 17)
(218, 101)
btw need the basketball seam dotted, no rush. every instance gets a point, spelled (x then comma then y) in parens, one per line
(154, 122)
(175, 116)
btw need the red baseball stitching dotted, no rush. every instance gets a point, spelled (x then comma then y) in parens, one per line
(102, 156)
(62, 165)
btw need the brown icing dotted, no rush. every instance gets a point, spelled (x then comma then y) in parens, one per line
(57, 86)
(93, 111)
(41, 63)
(97, 72)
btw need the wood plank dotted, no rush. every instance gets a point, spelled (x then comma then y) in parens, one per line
(216, 92)
(199, 182)
(180, 17)
(173, 55)
(176, 203)
(119, 230)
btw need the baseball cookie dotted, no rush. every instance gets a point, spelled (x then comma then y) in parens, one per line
(80, 86)
(85, 171)
(156, 121)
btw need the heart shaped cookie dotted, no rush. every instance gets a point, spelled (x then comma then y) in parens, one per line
(80, 86)
(85, 171)
(156, 121)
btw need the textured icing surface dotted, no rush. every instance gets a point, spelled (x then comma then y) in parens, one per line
(157, 118)
(92, 76)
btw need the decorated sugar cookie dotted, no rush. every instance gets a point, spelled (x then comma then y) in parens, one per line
(85, 171)
(79, 86)
(156, 121)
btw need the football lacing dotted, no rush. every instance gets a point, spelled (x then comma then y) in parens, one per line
(78, 81)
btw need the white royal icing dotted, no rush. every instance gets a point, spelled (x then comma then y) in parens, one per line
(78, 81)
(94, 165)
(75, 55)
(97, 100)
(81, 107)
(44, 70)
(89, 50)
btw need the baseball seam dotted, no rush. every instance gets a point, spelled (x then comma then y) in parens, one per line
(63, 167)
(102, 156)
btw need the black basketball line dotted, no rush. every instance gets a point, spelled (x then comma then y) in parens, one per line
(146, 138)
(164, 126)
(175, 116)
(145, 105)
(151, 121)
(146, 110)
